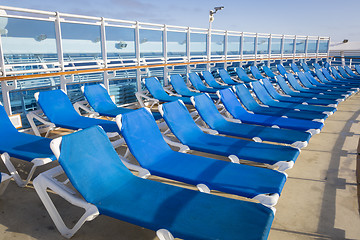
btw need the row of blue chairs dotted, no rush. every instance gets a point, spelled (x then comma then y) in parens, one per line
(102, 177)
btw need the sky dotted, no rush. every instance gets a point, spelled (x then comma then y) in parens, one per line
(337, 19)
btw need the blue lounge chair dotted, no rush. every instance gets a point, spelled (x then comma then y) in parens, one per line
(268, 72)
(180, 87)
(212, 117)
(243, 76)
(281, 69)
(234, 107)
(357, 68)
(263, 96)
(316, 65)
(4, 182)
(308, 84)
(323, 99)
(112, 190)
(158, 92)
(296, 85)
(337, 75)
(256, 72)
(350, 72)
(210, 80)
(344, 73)
(305, 67)
(59, 110)
(249, 102)
(226, 78)
(100, 101)
(294, 67)
(326, 80)
(291, 99)
(22, 146)
(199, 85)
(147, 145)
(184, 128)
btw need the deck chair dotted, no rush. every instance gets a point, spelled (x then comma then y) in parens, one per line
(59, 111)
(323, 99)
(210, 80)
(212, 117)
(180, 87)
(107, 187)
(296, 85)
(184, 128)
(337, 75)
(316, 65)
(344, 73)
(199, 85)
(4, 182)
(99, 99)
(357, 68)
(158, 92)
(263, 96)
(350, 72)
(22, 146)
(281, 69)
(226, 78)
(305, 67)
(256, 72)
(268, 72)
(243, 76)
(147, 145)
(250, 103)
(326, 80)
(234, 107)
(291, 99)
(308, 84)
(294, 67)
(333, 80)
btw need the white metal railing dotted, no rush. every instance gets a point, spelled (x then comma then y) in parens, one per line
(198, 49)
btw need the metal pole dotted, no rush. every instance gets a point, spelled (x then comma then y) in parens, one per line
(208, 45)
(166, 71)
(137, 54)
(104, 53)
(225, 48)
(188, 53)
(282, 48)
(269, 50)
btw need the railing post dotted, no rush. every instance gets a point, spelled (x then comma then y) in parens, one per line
(255, 47)
(104, 53)
(4, 86)
(269, 50)
(60, 52)
(137, 53)
(241, 49)
(294, 49)
(225, 48)
(166, 71)
(208, 47)
(282, 48)
(188, 56)
(306, 46)
(317, 49)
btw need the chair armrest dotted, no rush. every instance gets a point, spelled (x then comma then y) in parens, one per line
(82, 105)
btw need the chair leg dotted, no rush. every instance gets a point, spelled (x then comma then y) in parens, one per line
(5, 180)
(164, 234)
(14, 173)
(47, 180)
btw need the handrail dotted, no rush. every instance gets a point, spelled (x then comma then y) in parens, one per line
(44, 75)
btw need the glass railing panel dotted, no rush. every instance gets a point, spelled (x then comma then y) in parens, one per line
(249, 45)
(197, 44)
(151, 43)
(288, 46)
(176, 44)
(276, 45)
(234, 45)
(323, 46)
(217, 44)
(300, 45)
(81, 42)
(262, 45)
(120, 42)
(311, 48)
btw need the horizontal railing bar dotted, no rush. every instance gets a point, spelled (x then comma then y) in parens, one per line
(44, 75)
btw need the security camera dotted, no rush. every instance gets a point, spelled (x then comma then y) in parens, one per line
(218, 8)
